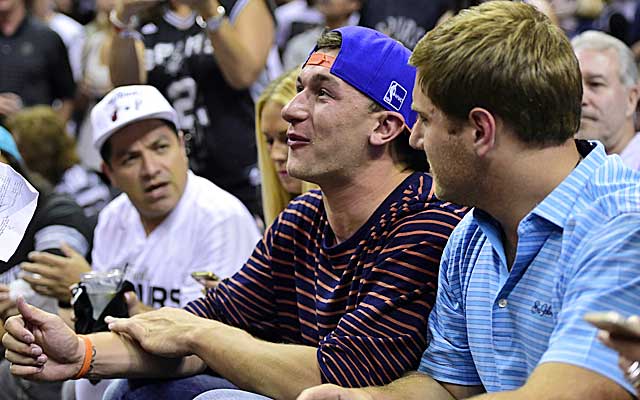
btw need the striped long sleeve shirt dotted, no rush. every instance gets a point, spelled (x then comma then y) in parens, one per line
(364, 303)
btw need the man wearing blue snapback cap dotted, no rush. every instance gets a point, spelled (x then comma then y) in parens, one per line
(340, 288)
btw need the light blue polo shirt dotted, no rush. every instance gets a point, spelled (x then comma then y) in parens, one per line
(578, 251)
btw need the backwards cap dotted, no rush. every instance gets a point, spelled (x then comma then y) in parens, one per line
(376, 65)
(125, 105)
(8, 145)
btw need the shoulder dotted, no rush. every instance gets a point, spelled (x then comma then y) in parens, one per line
(203, 197)
(415, 199)
(611, 192)
(118, 209)
(59, 209)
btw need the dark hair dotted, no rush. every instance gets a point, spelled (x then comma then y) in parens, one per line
(105, 150)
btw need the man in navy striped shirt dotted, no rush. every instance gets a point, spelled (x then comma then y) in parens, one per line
(340, 288)
(555, 232)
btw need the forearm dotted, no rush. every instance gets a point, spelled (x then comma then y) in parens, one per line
(279, 371)
(119, 356)
(241, 51)
(414, 385)
(126, 65)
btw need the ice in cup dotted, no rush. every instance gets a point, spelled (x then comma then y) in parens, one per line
(101, 287)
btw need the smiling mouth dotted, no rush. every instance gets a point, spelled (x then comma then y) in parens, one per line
(294, 140)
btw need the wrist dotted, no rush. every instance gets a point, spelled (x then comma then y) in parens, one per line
(208, 9)
(122, 21)
(200, 337)
(211, 19)
(84, 356)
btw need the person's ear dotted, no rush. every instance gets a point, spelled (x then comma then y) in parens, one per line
(389, 126)
(483, 124)
(108, 172)
(632, 100)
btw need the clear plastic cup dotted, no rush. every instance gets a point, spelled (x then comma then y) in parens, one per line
(101, 287)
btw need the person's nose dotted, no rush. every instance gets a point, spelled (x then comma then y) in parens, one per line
(150, 165)
(295, 110)
(416, 140)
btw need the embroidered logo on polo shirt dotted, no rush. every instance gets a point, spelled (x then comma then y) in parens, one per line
(542, 309)
(395, 95)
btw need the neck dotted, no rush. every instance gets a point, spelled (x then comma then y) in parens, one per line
(150, 224)
(350, 203)
(628, 132)
(335, 23)
(10, 20)
(517, 184)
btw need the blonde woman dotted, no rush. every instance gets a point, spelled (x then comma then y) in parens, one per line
(278, 188)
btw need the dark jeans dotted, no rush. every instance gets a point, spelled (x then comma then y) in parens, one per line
(174, 389)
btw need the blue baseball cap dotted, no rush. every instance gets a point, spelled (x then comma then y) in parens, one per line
(377, 66)
(8, 145)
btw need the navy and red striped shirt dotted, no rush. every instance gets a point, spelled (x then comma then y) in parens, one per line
(364, 303)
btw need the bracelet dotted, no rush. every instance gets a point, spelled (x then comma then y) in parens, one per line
(89, 352)
(212, 24)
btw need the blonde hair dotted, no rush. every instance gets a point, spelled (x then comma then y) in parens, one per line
(510, 59)
(274, 196)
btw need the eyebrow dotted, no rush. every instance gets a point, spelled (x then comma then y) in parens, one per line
(318, 79)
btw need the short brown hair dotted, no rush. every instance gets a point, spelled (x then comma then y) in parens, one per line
(43, 142)
(510, 59)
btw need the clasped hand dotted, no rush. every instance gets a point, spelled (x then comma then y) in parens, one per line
(164, 332)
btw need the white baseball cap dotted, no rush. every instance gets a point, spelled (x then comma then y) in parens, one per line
(125, 105)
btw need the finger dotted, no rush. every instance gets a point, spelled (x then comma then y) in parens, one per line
(131, 298)
(10, 343)
(69, 251)
(15, 327)
(126, 325)
(4, 288)
(43, 257)
(31, 314)
(40, 269)
(24, 370)
(40, 282)
(17, 358)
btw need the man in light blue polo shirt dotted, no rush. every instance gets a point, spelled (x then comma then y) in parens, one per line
(555, 232)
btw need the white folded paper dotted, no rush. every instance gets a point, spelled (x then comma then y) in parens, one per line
(18, 200)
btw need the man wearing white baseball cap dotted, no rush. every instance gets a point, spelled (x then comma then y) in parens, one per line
(168, 222)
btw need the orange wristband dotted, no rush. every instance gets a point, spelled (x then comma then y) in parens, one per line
(88, 357)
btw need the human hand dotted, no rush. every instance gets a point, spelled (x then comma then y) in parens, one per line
(134, 304)
(125, 9)
(206, 8)
(55, 273)
(627, 346)
(161, 332)
(7, 306)
(10, 103)
(333, 392)
(40, 346)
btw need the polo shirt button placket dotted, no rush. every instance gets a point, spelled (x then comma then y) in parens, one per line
(502, 303)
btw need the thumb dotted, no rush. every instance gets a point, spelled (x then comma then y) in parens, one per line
(31, 314)
(68, 250)
(125, 325)
(131, 298)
